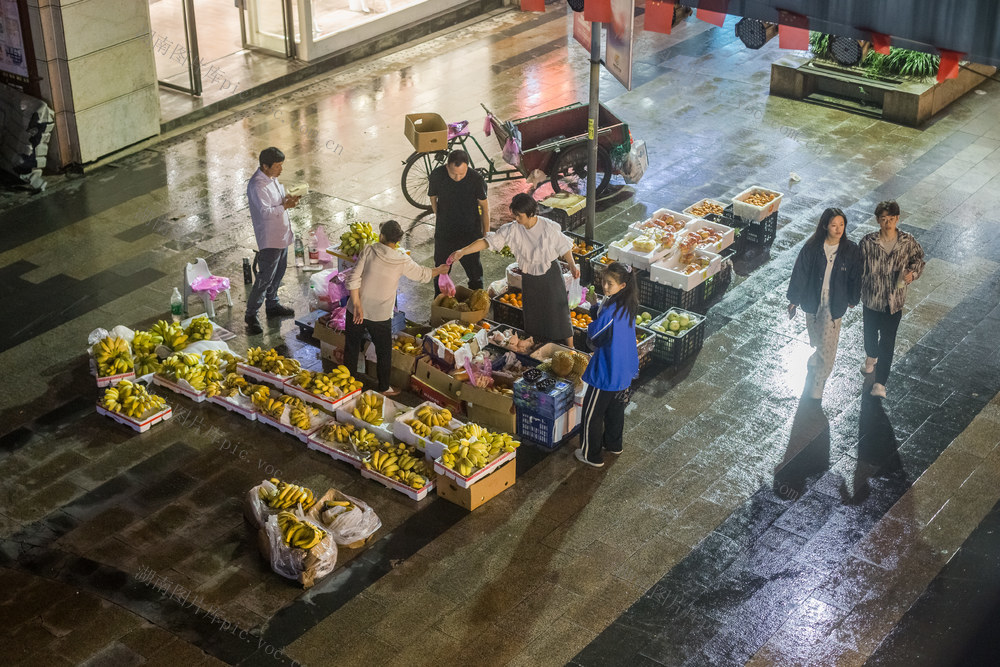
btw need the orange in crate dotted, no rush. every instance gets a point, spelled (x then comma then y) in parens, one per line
(582, 248)
(512, 299)
(580, 320)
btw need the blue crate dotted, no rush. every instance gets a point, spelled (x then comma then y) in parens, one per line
(552, 403)
(546, 432)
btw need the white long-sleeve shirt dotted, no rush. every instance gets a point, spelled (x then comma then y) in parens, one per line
(271, 224)
(535, 249)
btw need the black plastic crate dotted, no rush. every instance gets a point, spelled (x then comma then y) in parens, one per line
(663, 297)
(645, 343)
(566, 220)
(717, 285)
(678, 350)
(504, 313)
(597, 270)
(583, 261)
(763, 232)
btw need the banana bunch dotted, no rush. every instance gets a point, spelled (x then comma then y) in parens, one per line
(271, 362)
(286, 495)
(432, 416)
(170, 334)
(187, 366)
(420, 428)
(259, 394)
(113, 356)
(146, 363)
(364, 440)
(200, 328)
(450, 335)
(334, 508)
(503, 441)
(369, 408)
(143, 342)
(130, 399)
(228, 387)
(353, 241)
(301, 416)
(469, 431)
(399, 466)
(298, 533)
(407, 347)
(342, 379)
(224, 360)
(271, 407)
(337, 432)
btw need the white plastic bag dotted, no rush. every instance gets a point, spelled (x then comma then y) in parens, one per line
(304, 566)
(346, 526)
(256, 510)
(636, 163)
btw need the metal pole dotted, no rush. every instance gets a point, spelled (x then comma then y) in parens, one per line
(592, 127)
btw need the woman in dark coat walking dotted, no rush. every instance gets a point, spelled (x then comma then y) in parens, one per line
(826, 279)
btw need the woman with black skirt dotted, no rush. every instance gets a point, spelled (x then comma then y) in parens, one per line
(536, 243)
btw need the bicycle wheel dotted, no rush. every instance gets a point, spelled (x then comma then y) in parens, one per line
(416, 177)
(569, 173)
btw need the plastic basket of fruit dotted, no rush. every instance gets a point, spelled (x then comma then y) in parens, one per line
(507, 308)
(712, 236)
(707, 209)
(662, 220)
(679, 335)
(756, 203)
(597, 264)
(645, 342)
(674, 272)
(583, 252)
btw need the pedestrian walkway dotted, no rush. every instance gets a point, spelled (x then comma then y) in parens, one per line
(741, 525)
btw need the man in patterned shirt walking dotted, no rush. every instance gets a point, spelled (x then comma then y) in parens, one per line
(891, 260)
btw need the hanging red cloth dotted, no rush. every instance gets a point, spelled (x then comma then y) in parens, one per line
(597, 11)
(659, 16)
(532, 5)
(880, 43)
(948, 69)
(713, 11)
(793, 31)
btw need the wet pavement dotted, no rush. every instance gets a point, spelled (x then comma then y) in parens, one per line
(742, 525)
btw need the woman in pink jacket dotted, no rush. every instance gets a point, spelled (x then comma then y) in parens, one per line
(373, 284)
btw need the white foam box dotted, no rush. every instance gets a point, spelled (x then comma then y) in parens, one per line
(670, 271)
(180, 387)
(622, 250)
(660, 214)
(749, 211)
(728, 234)
(331, 449)
(141, 424)
(328, 403)
(108, 380)
(277, 381)
(389, 482)
(240, 405)
(316, 424)
(390, 410)
(466, 482)
(690, 209)
(403, 432)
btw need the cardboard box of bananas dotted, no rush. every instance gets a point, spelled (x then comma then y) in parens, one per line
(455, 342)
(416, 426)
(328, 390)
(129, 403)
(401, 468)
(350, 521)
(472, 452)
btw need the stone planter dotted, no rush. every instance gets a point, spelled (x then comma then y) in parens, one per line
(905, 102)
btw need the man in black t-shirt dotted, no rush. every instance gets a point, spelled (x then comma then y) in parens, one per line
(458, 197)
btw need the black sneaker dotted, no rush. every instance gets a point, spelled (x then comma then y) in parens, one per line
(279, 311)
(253, 326)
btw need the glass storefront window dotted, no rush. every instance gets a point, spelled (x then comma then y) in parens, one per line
(332, 16)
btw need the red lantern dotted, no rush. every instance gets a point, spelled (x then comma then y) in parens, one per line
(659, 16)
(532, 5)
(597, 11)
(793, 31)
(713, 11)
(948, 69)
(880, 43)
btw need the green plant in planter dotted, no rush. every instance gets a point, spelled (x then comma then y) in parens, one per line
(899, 62)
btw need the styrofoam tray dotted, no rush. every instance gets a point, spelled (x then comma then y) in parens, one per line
(114, 379)
(141, 425)
(728, 234)
(241, 406)
(182, 388)
(748, 211)
(315, 425)
(389, 482)
(331, 449)
(277, 381)
(390, 409)
(668, 272)
(466, 482)
(403, 432)
(689, 210)
(328, 403)
(621, 250)
(683, 218)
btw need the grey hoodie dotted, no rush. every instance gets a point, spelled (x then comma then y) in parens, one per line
(377, 275)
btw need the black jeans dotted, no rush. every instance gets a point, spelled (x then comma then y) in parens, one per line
(603, 422)
(471, 263)
(272, 263)
(381, 335)
(880, 339)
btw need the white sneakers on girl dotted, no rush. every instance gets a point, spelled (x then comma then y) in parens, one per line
(869, 366)
(583, 459)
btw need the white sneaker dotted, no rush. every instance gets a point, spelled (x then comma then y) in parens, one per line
(869, 366)
(583, 459)
(878, 390)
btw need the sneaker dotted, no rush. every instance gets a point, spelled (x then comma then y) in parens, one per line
(279, 311)
(869, 366)
(253, 326)
(614, 452)
(878, 390)
(583, 459)
(391, 391)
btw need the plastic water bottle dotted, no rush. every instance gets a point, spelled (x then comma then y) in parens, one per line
(313, 248)
(299, 252)
(176, 305)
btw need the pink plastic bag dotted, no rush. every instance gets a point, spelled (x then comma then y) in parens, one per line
(446, 285)
(212, 284)
(337, 287)
(338, 318)
(487, 126)
(481, 376)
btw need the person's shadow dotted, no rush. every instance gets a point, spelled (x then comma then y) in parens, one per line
(877, 449)
(808, 451)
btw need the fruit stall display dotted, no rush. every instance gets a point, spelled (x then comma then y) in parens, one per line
(679, 336)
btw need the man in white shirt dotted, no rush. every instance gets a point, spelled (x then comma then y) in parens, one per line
(269, 204)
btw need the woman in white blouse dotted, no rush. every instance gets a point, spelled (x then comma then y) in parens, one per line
(536, 243)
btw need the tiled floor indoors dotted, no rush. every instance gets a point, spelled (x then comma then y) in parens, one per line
(742, 524)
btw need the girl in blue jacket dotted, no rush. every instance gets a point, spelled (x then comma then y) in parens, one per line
(612, 367)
